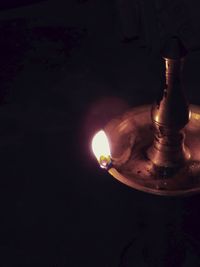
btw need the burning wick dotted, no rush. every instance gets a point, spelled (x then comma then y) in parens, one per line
(101, 149)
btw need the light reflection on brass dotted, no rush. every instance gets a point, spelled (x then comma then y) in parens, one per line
(170, 115)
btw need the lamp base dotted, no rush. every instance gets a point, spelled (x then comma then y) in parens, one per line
(130, 137)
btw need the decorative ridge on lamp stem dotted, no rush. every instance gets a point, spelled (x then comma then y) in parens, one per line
(171, 113)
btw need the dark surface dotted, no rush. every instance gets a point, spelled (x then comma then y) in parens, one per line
(6, 4)
(64, 72)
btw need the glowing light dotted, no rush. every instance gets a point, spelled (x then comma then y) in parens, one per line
(101, 149)
(195, 116)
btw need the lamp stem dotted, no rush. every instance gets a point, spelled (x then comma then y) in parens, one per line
(170, 114)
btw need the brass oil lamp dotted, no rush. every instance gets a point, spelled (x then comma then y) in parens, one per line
(156, 149)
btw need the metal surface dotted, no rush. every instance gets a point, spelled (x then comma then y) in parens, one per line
(170, 114)
(130, 137)
(160, 153)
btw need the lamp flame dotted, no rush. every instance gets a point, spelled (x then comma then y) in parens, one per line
(101, 149)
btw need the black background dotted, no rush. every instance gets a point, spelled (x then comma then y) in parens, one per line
(64, 72)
